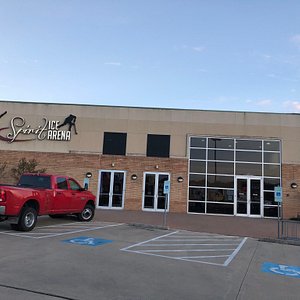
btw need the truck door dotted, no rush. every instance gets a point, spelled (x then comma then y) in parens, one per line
(62, 196)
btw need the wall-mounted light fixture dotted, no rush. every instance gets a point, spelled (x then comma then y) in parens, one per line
(156, 167)
(134, 177)
(294, 185)
(179, 179)
(88, 175)
(112, 164)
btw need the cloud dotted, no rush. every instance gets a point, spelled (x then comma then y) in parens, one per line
(292, 105)
(264, 102)
(116, 64)
(198, 48)
(295, 39)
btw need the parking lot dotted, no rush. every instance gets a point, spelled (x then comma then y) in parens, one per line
(65, 259)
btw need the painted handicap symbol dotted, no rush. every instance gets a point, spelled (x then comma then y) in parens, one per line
(279, 269)
(87, 241)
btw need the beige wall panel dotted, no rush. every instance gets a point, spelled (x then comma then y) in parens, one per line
(178, 146)
(136, 144)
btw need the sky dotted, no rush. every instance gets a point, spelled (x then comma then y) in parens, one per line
(232, 55)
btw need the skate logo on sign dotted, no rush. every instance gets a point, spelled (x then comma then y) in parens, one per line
(45, 130)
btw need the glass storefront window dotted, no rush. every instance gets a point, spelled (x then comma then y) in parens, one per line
(220, 168)
(197, 194)
(197, 180)
(270, 183)
(198, 142)
(198, 154)
(248, 156)
(218, 208)
(220, 195)
(271, 146)
(249, 144)
(196, 207)
(220, 155)
(272, 170)
(220, 181)
(215, 165)
(248, 169)
(197, 166)
(272, 157)
(220, 143)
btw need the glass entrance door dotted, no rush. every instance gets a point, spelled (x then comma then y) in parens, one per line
(248, 196)
(153, 193)
(111, 189)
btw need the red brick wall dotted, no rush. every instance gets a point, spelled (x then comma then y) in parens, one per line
(291, 197)
(77, 165)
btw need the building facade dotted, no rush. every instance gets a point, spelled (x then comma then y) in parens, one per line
(224, 163)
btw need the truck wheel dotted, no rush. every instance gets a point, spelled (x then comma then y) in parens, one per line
(87, 213)
(27, 219)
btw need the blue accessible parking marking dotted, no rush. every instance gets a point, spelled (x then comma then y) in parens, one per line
(279, 269)
(87, 241)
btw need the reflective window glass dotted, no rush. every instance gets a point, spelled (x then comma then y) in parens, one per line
(272, 170)
(197, 194)
(197, 180)
(248, 169)
(270, 183)
(270, 211)
(220, 167)
(220, 181)
(196, 207)
(198, 154)
(249, 144)
(197, 166)
(219, 195)
(272, 157)
(218, 208)
(248, 156)
(271, 145)
(220, 155)
(269, 198)
(220, 143)
(198, 142)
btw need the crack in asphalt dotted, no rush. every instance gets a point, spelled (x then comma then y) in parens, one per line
(243, 280)
(36, 292)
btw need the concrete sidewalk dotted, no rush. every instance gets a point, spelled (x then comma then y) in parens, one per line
(228, 225)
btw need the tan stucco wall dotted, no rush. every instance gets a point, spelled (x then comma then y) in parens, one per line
(92, 121)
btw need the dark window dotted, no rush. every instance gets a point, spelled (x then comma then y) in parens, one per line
(248, 169)
(197, 180)
(272, 170)
(270, 183)
(198, 154)
(158, 145)
(272, 157)
(270, 211)
(74, 185)
(248, 156)
(217, 208)
(248, 144)
(198, 142)
(196, 207)
(271, 146)
(220, 143)
(219, 195)
(197, 166)
(197, 194)
(220, 155)
(114, 143)
(61, 183)
(220, 168)
(220, 181)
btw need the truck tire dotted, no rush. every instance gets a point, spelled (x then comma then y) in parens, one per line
(27, 219)
(87, 213)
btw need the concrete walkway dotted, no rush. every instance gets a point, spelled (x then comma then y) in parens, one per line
(228, 225)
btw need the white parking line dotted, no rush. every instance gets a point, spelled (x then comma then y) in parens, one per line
(33, 235)
(220, 250)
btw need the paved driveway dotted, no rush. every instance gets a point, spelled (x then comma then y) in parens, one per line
(58, 267)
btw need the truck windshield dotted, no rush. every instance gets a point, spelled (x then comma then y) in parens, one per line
(35, 181)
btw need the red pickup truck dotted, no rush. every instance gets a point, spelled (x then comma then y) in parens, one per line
(43, 194)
